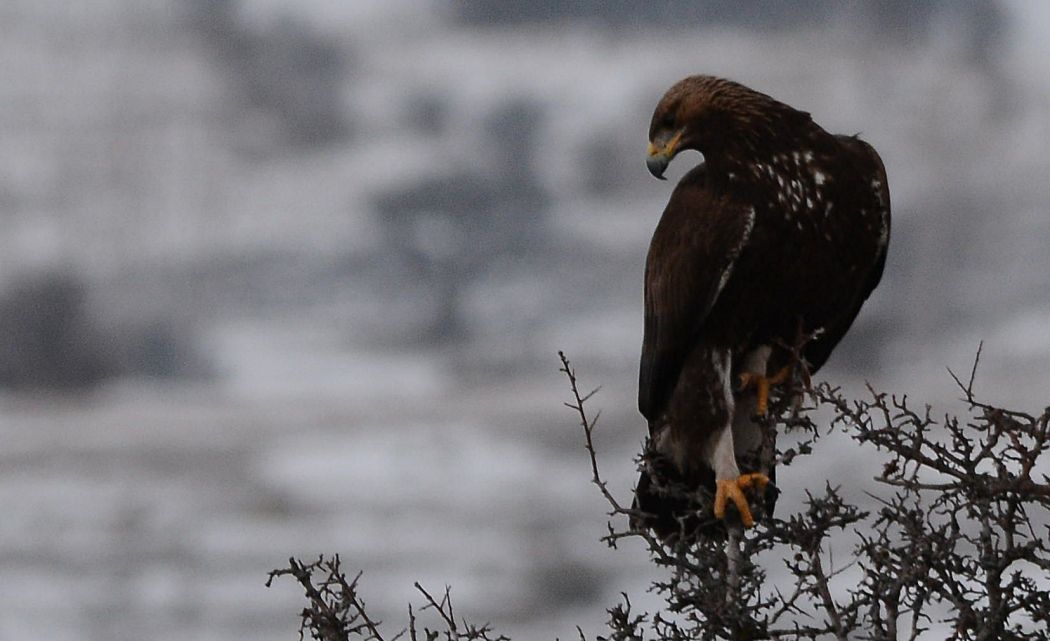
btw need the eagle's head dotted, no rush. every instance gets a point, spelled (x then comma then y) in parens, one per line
(711, 115)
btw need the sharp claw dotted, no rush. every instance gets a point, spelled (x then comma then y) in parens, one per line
(780, 376)
(754, 480)
(762, 384)
(724, 488)
(732, 489)
(762, 402)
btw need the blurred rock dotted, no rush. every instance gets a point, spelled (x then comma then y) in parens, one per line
(980, 23)
(428, 113)
(448, 229)
(47, 340)
(51, 340)
(157, 348)
(288, 79)
(610, 161)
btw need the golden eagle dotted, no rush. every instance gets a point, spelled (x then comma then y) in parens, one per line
(781, 231)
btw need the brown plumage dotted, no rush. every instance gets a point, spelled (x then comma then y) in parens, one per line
(783, 228)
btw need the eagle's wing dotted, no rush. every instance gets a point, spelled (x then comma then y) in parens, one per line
(690, 260)
(818, 351)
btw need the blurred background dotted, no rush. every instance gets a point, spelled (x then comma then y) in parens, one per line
(286, 277)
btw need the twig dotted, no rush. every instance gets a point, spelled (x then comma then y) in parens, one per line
(588, 426)
(734, 563)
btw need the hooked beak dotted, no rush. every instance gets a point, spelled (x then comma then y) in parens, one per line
(660, 152)
(657, 165)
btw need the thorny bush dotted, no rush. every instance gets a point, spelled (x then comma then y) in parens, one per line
(955, 548)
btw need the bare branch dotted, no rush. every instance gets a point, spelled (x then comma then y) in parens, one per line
(956, 538)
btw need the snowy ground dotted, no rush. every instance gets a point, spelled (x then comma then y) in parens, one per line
(148, 509)
(144, 512)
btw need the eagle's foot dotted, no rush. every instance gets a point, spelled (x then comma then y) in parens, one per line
(733, 490)
(762, 384)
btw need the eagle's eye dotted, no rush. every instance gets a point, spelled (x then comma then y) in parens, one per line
(667, 120)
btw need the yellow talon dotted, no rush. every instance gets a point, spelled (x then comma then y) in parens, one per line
(733, 489)
(762, 384)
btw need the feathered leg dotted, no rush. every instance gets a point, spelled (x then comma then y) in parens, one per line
(720, 453)
(753, 374)
(693, 445)
(753, 454)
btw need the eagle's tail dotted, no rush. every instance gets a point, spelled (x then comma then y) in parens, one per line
(679, 508)
(672, 506)
(656, 510)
